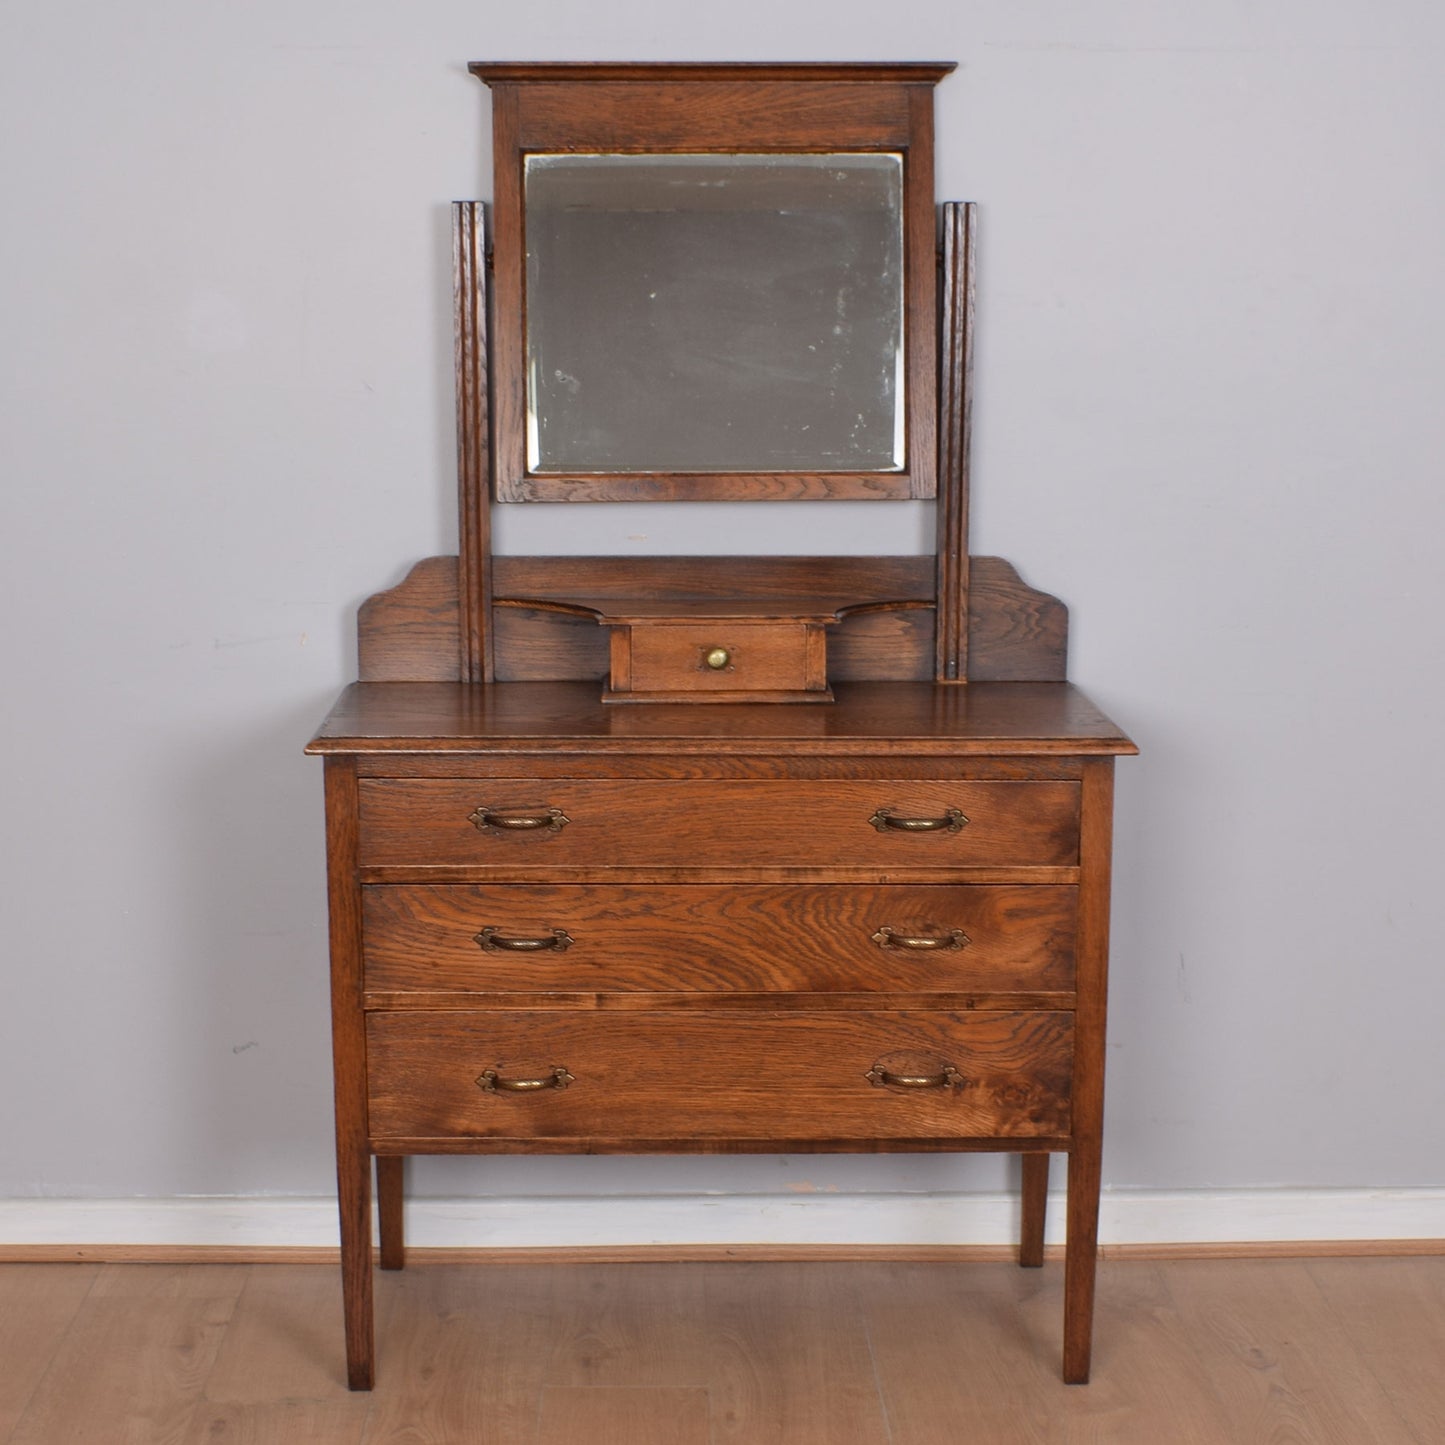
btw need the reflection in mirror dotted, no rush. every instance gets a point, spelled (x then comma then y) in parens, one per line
(714, 313)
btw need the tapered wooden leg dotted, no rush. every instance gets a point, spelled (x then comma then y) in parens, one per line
(348, 1047)
(354, 1193)
(1080, 1257)
(390, 1177)
(1092, 985)
(1035, 1203)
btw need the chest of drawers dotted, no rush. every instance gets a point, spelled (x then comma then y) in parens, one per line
(716, 853)
(562, 927)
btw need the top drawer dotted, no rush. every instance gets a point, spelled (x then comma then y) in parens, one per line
(592, 823)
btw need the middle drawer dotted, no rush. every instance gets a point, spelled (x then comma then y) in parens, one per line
(790, 938)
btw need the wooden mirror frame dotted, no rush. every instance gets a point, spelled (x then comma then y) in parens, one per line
(723, 108)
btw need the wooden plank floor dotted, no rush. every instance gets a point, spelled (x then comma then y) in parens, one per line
(1218, 1352)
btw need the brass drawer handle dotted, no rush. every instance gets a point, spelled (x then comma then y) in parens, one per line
(491, 1081)
(951, 940)
(886, 820)
(518, 820)
(947, 1077)
(493, 940)
(716, 658)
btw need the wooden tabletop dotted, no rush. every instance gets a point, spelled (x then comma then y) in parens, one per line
(984, 718)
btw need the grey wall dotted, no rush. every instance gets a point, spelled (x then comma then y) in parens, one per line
(1208, 416)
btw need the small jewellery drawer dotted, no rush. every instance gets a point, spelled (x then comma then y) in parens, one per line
(696, 1076)
(592, 823)
(775, 659)
(789, 938)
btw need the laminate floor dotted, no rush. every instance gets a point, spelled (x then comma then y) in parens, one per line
(1219, 1352)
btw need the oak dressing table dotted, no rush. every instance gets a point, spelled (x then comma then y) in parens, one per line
(715, 854)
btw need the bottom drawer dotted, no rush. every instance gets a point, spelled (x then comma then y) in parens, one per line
(701, 1075)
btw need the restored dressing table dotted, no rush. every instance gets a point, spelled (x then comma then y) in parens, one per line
(716, 854)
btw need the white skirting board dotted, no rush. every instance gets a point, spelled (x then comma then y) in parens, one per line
(1127, 1217)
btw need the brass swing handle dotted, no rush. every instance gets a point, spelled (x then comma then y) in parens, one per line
(518, 820)
(493, 940)
(491, 1081)
(887, 820)
(951, 940)
(946, 1078)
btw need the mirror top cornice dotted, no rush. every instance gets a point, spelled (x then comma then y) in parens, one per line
(910, 72)
(734, 330)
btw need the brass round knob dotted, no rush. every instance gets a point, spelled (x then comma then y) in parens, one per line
(717, 658)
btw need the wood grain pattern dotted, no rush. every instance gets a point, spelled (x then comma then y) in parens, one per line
(790, 1360)
(695, 1075)
(281, 1344)
(1245, 1321)
(628, 1328)
(731, 581)
(37, 1304)
(704, 111)
(742, 859)
(622, 1416)
(695, 767)
(348, 1056)
(428, 821)
(668, 108)
(980, 1380)
(1015, 633)
(144, 1342)
(667, 657)
(955, 366)
(669, 796)
(465, 1354)
(278, 1422)
(793, 1354)
(711, 937)
(1388, 1309)
(1085, 1158)
(474, 440)
(411, 633)
(390, 1211)
(1033, 1209)
(906, 72)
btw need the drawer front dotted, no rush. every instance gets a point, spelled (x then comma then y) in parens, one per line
(565, 822)
(699, 1076)
(819, 938)
(719, 656)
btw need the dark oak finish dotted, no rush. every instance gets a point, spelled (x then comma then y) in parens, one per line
(694, 109)
(411, 633)
(879, 924)
(709, 1078)
(1035, 1199)
(955, 364)
(390, 1195)
(348, 1050)
(421, 822)
(1085, 1157)
(474, 435)
(713, 938)
(743, 924)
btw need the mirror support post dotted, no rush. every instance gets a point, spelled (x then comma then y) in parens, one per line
(474, 440)
(955, 397)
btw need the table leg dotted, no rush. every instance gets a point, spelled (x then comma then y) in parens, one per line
(390, 1194)
(1035, 1204)
(353, 1174)
(1080, 1257)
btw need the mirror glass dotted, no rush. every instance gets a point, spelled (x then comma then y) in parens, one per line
(714, 313)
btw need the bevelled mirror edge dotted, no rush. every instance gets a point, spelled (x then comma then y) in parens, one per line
(726, 109)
